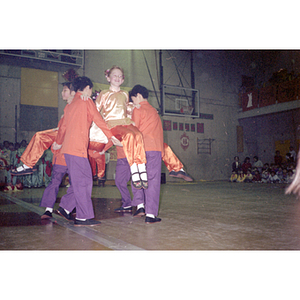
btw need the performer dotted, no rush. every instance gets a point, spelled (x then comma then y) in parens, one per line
(112, 105)
(73, 139)
(41, 140)
(148, 122)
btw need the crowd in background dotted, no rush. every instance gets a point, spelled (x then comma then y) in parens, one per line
(10, 154)
(281, 170)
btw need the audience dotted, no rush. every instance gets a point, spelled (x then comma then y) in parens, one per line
(279, 171)
(10, 154)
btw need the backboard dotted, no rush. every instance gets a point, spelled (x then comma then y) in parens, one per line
(180, 101)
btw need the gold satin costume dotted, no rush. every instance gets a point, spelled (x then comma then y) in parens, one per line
(113, 108)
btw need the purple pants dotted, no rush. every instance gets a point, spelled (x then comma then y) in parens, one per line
(122, 177)
(80, 191)
(50, 193)
(150, 196)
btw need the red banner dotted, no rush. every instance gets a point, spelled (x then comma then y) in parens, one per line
(267, 96)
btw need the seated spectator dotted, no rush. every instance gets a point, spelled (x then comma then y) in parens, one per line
(236, 165)
(293, 154)
(292, 167)
(241, 176)
(275, 168)
(256, 176)
(233, 176)
(273, 178)
(284, 175)
(277, 158)
(249, 176)
(265, 176)
(246, 165)
(289, 158)
(279, 173)
(257, 164)
(290, 176)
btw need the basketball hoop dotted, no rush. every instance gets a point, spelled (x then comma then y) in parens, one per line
(187, 110)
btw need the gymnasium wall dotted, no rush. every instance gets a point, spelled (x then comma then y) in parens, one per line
(205, 145)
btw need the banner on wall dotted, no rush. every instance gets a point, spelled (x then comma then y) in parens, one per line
(267, 96)
(250, 100)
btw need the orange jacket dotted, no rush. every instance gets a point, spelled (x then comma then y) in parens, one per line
(58, 157)
(148, 122)
(73, 132)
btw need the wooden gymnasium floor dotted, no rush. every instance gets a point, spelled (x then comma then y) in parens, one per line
(195, 216)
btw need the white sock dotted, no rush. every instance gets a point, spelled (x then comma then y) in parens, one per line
(142, 167)
(142, 171)
(49, 209)
(134, 168)
(66, 211)
(126, 206)
(150, 215)
(135, 176)
(143, 176)
(22, 168)
(80, 219)
(140, 206)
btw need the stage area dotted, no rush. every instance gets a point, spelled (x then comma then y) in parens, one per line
(195, 216)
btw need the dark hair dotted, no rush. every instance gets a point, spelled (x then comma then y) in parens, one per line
(139, 89)
(80, 83)
(67, 84)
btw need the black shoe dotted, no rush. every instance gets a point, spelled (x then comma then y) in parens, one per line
(150, 220)
(181, 174)
(122, 209)
(47, 215)
(63, 213)
(24, 171)
(144, 182)
(140, 212)
(88, 222)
